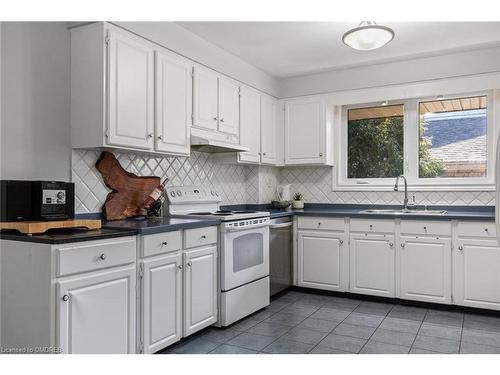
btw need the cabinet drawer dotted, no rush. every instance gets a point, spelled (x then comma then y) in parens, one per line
(366, 225)
(200, 236)
(94, 256)
(442, 228)
(477, 229)
(160, 243)
(326, 223)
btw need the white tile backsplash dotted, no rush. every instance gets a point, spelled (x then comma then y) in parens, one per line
(242, 183)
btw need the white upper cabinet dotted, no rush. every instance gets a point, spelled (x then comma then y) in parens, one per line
(173, 103)
(250, 125)
(229, 106)
(307, 132)
(269, 138)
(205, 101)
(131, 91)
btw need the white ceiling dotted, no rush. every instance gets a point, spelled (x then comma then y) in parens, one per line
(287, 49)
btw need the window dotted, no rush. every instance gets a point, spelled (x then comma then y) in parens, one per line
(453, 138)
(438, 143)
(375, 142)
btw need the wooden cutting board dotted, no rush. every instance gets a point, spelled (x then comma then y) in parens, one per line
(37, 227)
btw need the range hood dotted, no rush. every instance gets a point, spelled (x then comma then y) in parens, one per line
(213, 146)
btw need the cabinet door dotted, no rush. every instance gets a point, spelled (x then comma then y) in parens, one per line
(372, 263)
(130, 91)
(476, 278)
(173, 104)
(161, 302)
(229, 107)
(321, 260)
(250, 125)
(96, 314)
(268, 111)
(200, 289)
(425, 269)
(205, 99)
(305, 132)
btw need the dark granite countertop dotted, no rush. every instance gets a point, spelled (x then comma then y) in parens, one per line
(61, 236)
(482, 213)
(158, 225)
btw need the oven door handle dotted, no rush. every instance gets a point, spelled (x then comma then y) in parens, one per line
(284, 225)
(237, 229)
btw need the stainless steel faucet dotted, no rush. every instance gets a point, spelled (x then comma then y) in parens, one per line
(405, 202)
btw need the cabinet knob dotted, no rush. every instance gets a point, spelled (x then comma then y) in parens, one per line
(264, 154)
(203, 237)
(222, 120)
(425, 228)
(461, 248)
(402, 245)
(320, 154)
(341, 242)
(150, 135)
(486, 230)
(102, 256)
(215, 118)
(319, 223)
(165, 243)
(188, 264)
(160, 137)
(65, 298)
(391, 244)
(179, 266)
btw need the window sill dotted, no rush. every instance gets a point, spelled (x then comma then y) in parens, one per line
(411, 187)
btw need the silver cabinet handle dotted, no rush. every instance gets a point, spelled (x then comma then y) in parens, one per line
(215, 118)
(402, 245)
(320, 154)
(222, 120)
(160, 137)
(65, 298)
(461, 248)
(341, 242)
(150, 135)
(165, 243)
(391, 244)
(189, 264)
(203, 237)
(102, 256)
(179, 266)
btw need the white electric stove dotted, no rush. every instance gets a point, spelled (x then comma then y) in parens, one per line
(243, 249)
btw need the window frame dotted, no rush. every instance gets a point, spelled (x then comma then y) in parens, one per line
(411, 150)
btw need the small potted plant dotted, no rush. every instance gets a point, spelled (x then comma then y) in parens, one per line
(298, 201)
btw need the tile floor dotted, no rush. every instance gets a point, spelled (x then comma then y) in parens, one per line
(298, 322)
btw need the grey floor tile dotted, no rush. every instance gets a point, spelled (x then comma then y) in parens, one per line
(284, 346)
(401, 325)
(364, 319)
(439, 330)
(261, 315)
(361, 332)
(407, 312)
(306, 336)
(320, 325)
(393, 337)
(375, 347)
(436, 344)
(285, 318)
(422, 351)
(251, 341)
(195, 346)
(276, 306)
(374, 308)
(230, 349)
(245, 324)
(481, 337)
(220, 335)
(326, 350)
(330, 314)
(342, 304)
(300, 310)
(348, 344)
(309, 302)
(269, 329)
(472, 348)
(482, 322)
(448, 318)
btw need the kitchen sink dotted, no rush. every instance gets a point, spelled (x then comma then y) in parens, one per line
(404, 212)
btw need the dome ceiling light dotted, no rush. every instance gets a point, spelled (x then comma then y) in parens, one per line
(368, 36)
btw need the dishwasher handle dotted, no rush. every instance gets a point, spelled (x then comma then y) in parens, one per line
(282, 225)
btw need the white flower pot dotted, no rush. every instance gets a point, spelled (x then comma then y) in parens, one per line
(298, 204)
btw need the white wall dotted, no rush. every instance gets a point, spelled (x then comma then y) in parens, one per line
(421, 69)
(35, 133)
(184, 42)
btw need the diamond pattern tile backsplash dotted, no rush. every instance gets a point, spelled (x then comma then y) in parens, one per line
(241, 183)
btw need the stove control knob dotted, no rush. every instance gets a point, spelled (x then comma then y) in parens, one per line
(179, 193)
(172, 193)
(212, 192)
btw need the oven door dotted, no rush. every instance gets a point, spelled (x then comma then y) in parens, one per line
(244, 256)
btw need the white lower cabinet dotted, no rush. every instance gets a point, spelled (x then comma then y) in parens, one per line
(372, 262)
(161, 302)
(321, 258)
(425, 269)
(96, 313)
(476, 273)
(200, 289)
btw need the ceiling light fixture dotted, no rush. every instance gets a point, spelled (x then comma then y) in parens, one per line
(368, 36)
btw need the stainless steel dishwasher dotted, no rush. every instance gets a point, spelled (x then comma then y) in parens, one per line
(280, 253)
